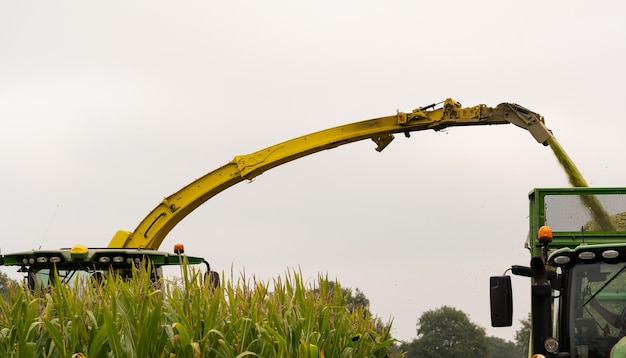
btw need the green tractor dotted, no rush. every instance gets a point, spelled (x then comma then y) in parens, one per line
(577, 271)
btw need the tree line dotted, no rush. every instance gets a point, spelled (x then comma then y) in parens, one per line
(448, 332)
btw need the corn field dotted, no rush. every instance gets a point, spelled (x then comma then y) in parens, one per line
(241, 318)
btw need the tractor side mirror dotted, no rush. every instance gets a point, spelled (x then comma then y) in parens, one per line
(501, 299)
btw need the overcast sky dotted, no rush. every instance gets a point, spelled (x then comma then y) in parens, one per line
(107, 107)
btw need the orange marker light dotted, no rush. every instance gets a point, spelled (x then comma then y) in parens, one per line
(545, 235)
(179, 248)
(545, 232)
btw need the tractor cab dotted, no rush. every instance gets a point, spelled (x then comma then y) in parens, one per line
(577, 272)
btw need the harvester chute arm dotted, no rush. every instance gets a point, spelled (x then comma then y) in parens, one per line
(153, 229)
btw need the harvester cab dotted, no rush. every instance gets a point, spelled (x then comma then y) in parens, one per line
(80, 263)
(577, 273)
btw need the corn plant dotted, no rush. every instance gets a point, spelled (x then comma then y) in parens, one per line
(188, 318)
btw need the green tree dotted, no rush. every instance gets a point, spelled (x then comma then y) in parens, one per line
(357, 300)
(501, 348)
(409, 348)
(354, 299)
(447, 333)
(522, 336)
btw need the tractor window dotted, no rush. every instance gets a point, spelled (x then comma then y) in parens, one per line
(41, 278)
(597, 300)
(38, 279)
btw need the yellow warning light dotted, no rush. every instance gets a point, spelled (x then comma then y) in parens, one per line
(179, 248)
(79, 251)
